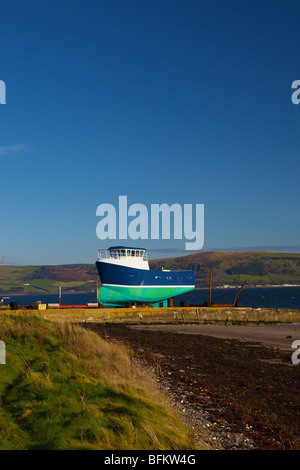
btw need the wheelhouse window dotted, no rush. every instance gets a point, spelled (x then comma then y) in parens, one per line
(117, 253)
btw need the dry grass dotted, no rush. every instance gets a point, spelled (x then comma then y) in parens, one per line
(64, 387)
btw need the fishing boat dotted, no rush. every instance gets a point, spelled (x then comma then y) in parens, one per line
(126, 279)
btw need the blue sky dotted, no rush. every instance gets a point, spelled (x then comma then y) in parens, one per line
(164, 101)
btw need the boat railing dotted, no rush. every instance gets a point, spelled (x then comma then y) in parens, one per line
(121, 254)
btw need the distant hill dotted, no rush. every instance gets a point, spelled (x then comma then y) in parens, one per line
(47, 279)
(232, 269)
(258, 268)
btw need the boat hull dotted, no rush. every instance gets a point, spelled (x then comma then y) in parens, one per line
(125, 295)
(123, 285)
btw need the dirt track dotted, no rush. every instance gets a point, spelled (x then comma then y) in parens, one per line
(235, 394)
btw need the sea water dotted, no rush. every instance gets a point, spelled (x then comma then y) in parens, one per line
(263, 297)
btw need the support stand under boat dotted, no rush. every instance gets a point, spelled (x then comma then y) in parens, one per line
(233, 304)
(211, 303)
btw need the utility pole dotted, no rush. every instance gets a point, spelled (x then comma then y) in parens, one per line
(59, 294)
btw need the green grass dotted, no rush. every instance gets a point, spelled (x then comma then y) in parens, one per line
(16, 272)
(64, 387)
(41, 285)
(256, 279)
(65, 284)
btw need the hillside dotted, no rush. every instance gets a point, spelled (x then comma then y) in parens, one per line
(259, 268)
(47, 279)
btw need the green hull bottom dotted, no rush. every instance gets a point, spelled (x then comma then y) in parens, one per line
(125, 295)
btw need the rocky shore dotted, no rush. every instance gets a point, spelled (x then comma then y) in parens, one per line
(233, 393)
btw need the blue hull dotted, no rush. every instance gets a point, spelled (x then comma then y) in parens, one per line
(122, 285)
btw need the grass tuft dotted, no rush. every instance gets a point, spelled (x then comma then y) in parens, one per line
(64, 387)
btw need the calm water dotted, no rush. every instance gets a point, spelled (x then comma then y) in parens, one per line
(272, 297)
(280, 297)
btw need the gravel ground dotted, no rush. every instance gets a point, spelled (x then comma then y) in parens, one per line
(278, 336)
(236, 387)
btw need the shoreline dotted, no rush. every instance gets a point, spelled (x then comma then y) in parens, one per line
(235, 394)
(279, 336)
(5, 294)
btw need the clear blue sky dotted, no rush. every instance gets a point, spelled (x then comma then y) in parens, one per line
(163, 101)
